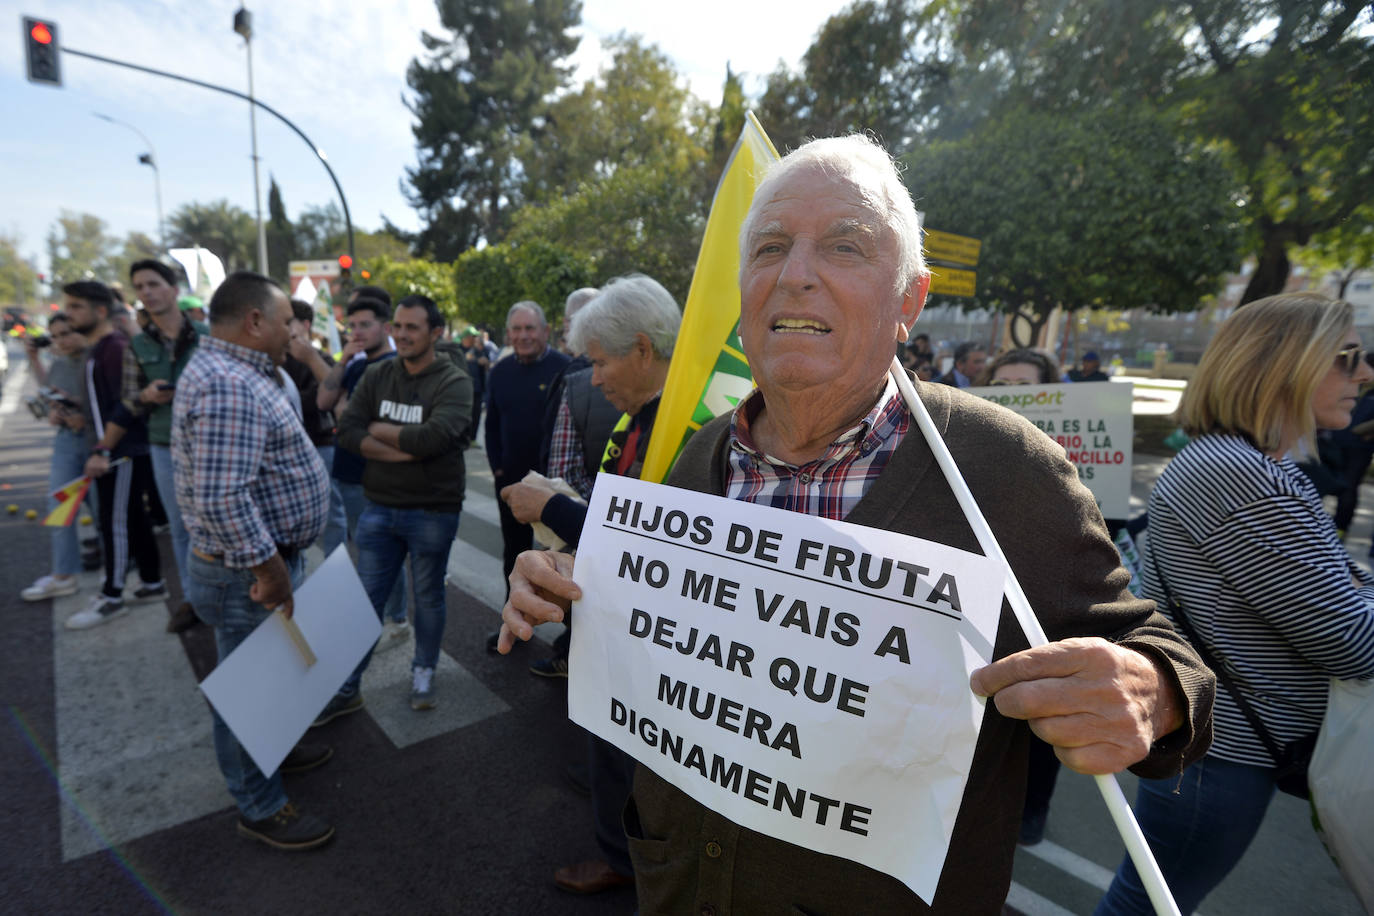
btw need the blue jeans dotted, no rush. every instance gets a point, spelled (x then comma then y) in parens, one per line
(336, 524)
(220, 596)
(1198, 833)
(385, 537)
(69, 453)
(354, 501)
(167, 492)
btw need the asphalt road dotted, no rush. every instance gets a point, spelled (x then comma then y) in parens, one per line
(112, 803)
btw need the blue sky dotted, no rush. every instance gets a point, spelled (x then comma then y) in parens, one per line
(335, 67)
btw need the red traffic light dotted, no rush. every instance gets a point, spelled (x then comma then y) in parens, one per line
(41, 33)
(345, 261)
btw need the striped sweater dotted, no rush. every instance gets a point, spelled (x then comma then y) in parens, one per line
(1244, 544)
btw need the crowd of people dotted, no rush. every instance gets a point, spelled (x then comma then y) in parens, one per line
(258, 445)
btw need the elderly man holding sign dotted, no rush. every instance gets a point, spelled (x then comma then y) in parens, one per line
(831, 278)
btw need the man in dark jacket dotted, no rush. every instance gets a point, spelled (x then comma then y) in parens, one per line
(409, 418)
(832, 280)
(517, 388)
(307, 367)
(119, 463)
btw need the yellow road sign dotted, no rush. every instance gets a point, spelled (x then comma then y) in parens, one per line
(946, 246)
(948, 281)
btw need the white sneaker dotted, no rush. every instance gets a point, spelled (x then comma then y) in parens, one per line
(100, 610)
(394, 633)
(422, 689)
(50, 587)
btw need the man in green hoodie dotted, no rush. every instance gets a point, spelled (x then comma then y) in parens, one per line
(409, 418)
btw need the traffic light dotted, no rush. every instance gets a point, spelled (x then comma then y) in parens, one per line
(345, 262)
(41, 51)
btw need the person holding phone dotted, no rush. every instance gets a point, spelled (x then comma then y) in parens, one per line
(72, 442)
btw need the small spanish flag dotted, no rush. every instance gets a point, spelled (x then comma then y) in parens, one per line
(69, 497)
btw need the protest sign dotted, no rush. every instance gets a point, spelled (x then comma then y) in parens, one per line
(1092, 421)
(266, 692)
(805, 678)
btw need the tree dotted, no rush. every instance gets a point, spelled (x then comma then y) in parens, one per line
(18, 279)
(1110, 211)
(479, 98)
(321, 232)
(1343, 252)
(1280, 87)
(281, 235)
(647, 218)
(223, 228)
(415, 276)
(135, 247)
(487, 285)
(79, 249)
(492, 279)
(870, 68)
(636, 111)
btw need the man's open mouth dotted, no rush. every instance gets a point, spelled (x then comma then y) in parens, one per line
(800, 326)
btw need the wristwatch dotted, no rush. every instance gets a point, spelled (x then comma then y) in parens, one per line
(102, 452)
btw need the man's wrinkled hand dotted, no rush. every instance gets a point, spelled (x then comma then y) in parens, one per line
(526, 500)
(1099, 704)
(541, 591)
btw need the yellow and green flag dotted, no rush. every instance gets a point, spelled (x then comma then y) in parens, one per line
(69, 497)
(709, 374)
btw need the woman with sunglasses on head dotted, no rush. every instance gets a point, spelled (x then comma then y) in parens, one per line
(1025, 366)
(1244, 559)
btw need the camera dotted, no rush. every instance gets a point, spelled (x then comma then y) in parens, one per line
(41, 404)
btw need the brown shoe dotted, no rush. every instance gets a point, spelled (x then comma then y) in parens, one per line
(590, 877)
(182, 619)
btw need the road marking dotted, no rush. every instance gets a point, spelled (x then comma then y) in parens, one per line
(1071, 863)
(483, 507)
(483, 577)
(134, 743)
(1030, 903)
(462, 699)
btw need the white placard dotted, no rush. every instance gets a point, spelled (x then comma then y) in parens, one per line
(1093, 423)
(806, 679)
(264, 691)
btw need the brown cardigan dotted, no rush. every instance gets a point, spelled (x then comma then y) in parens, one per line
(690, 860)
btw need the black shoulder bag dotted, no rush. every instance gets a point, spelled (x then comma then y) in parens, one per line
(1291, 760)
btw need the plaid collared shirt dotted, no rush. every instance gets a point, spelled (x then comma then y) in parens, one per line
(247, 477)
(831, 485)
(565, 451)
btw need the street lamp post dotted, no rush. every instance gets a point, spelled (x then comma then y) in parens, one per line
(243, 24)
(149, 159)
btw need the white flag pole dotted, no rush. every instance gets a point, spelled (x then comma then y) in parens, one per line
(1120, 810)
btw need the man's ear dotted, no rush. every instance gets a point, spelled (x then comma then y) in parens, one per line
(912, 302)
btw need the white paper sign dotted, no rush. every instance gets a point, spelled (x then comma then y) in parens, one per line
(806, 679)
(1093, 422)
(264, 691)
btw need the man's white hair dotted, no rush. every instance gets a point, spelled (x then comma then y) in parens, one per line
(860, 161)
(528, 306)
(626, 307)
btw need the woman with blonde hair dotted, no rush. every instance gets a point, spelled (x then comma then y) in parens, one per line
(1244, 559)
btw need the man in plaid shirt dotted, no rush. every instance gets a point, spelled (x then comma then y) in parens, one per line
(253, 493)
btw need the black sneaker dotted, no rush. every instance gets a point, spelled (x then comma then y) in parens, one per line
(550, 667)
(290, 828)
(150, 590)
(306, 757)
(339, 706)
